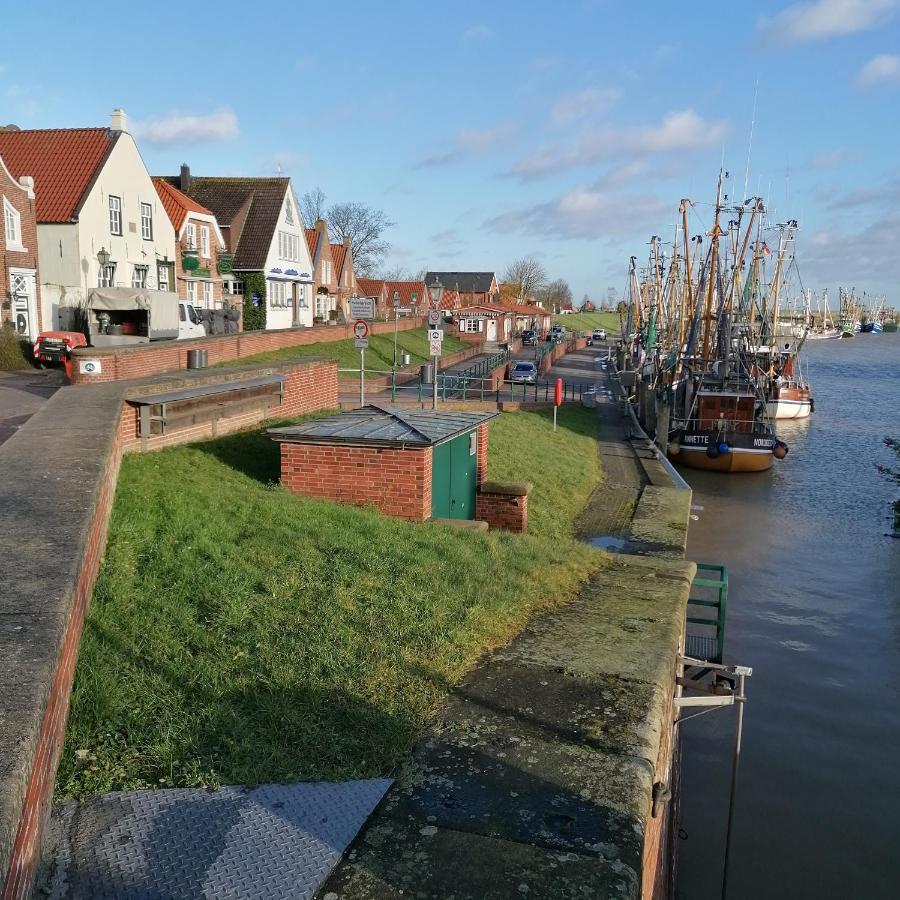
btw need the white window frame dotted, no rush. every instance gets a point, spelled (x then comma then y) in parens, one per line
(139, 276)
(191, 236)
(147, 221)
(12, 223)
(106, 275)
(472, 325)
(115, 215)
(204, 241)
(326, 270)
(191, 291)
(162, 277)
(207, 292)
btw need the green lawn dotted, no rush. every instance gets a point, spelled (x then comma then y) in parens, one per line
(238, 634)
(590, 320)
(379, 356)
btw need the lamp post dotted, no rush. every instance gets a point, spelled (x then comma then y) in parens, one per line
(396, 301)
(435, 295)
(103, 259)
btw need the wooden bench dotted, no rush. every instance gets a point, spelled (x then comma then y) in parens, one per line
(158, 413)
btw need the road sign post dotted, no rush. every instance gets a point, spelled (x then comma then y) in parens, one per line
(557, 399)
(361, 342)
(435, 340)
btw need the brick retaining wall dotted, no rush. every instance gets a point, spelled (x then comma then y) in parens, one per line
(143, 360)
(54, 513)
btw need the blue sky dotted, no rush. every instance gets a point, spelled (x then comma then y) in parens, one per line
(490, 130)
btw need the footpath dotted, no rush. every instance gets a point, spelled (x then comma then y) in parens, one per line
(541, 774)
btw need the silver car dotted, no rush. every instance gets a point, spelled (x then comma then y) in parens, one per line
(524, 373)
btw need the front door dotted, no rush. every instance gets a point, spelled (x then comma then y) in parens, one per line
(453, 478)
(492, 329)
(24, 304)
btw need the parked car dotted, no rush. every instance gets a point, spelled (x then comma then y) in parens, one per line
(599, 334)
(558, 333)
(588, 340)
(529, 338)
(524, 373)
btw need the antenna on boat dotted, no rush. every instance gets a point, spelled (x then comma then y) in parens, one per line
(750, 141)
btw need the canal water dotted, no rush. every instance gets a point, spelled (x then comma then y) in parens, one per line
(814, 608)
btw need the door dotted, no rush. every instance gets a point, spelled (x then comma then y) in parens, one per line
(24, 304)
(440, 481)
(492, 329)
(463, 459)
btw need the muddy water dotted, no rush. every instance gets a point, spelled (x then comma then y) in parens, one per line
(814, 608)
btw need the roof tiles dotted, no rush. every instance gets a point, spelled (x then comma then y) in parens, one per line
(63, 163)
(177, 204)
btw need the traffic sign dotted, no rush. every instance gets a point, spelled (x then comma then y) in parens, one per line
(360, 328)
(436, 335)
(434, 317)
(434, 345)
(362, 308)
(361, 343)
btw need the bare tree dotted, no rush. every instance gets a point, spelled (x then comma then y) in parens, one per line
(364, 226)
(528, 275)
(556, 294)
(312, 206)
(401, 273)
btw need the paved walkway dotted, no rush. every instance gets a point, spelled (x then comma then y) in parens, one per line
(277, 842)
(22, 394)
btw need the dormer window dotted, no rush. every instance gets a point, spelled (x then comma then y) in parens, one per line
(288, 212)
(12, 222)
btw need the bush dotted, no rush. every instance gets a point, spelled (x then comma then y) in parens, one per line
(254, 315)
(15, 353)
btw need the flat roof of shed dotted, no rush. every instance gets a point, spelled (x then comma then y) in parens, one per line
(383, 426)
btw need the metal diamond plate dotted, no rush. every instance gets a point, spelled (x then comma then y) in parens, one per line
(277, 842)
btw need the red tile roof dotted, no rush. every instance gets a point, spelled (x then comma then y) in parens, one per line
(370, 287)
(337, 260)
(63, 163)
(406, 289)
(312, 241)
(176, 204)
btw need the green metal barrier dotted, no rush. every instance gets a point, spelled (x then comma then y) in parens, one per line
(700, 644)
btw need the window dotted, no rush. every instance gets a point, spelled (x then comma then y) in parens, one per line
(288, 246)
(326, 270)
(191, 236)
(207, 292)
(115, 215)
(302, 302)
(278, 294)
(13, 223)
(162, 276)
(472, 326)
(288, 212)
(139, 277)
(192, 291)
(106, 275)
(204, 241)
(233, 287)
(146, 221)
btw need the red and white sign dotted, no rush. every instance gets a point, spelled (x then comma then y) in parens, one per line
(558, 392)
(361, 329)
(434, 317)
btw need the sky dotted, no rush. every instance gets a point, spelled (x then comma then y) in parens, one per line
(492, 130)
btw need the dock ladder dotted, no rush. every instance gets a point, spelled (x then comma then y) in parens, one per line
(707, 639)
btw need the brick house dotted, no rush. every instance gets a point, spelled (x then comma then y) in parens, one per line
(93, 192)
(375, 289)
(344, 275)
(412, 296)
(325, 284)
(473, 287)
(201, 258)
(262, 229)
(19, 282)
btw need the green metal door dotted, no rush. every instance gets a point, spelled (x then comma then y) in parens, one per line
(440, 481)
(463, 459)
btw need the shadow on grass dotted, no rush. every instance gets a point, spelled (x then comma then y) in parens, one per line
(251, 452)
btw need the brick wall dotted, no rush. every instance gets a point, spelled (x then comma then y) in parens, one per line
(501, 510)
(397, 482)
(18, 259)
(143, 360)
(308, 387)
(481, 462)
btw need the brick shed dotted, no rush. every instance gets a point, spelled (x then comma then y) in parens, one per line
(411, 463)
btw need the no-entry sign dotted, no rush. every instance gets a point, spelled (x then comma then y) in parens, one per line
(360, 328)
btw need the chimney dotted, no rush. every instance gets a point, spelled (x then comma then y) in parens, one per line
(321, 226)
(185, 183)
(118, 121)
(347, 241)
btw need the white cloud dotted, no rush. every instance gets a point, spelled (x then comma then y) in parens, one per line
(822, 19)
(584, 213)
(479, 32)
(469, 142)
(177, 128)
(571, 107)
(883, 69)
(831, 159)
(683, 130)
(869, 253)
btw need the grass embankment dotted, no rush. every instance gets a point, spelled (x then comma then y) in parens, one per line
(588, 321)
(238, 634)
(379, 356)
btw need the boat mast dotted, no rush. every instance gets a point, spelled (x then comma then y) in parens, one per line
(711, 280)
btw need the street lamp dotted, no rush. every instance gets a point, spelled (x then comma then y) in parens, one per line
(396, 301)
(435, 294)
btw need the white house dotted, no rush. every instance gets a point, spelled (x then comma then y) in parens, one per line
(263, 231)
(93, 194)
